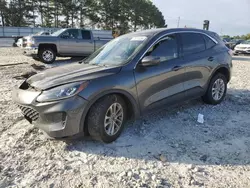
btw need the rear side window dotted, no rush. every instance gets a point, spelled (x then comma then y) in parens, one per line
(166, 48)
(209, 42)
(192, 43)
(86, 35)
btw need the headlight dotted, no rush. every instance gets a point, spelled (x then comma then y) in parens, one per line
(30, 41)
(61, 92)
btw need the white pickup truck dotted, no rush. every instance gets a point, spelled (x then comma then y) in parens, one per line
(65, 43)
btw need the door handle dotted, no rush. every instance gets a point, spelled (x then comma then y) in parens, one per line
(176, 68)
(210, 59)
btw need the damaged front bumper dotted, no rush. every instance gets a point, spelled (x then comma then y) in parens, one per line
(58, 119)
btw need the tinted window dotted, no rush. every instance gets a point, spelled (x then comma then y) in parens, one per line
(166, 49)
(192, 43)
(209, 42)
(86, 35)
(71, 34)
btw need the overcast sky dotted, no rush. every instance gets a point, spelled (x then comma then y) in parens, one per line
(226, 16)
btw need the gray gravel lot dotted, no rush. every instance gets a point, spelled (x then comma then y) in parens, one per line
(164, 149)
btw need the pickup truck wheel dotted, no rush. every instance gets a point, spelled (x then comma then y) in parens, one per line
(217, 90)
(47, 55)
(106, 118)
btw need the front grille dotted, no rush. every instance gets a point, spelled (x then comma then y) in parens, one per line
(31, 114)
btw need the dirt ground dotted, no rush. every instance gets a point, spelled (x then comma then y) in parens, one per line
(164, 149)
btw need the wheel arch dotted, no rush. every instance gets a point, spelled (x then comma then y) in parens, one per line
(220, 69)
(47, 45)
(223, 70)
(133, 107)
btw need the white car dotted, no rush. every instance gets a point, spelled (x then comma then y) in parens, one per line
(243, 48)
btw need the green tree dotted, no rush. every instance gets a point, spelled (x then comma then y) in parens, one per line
(128, 14)
(3, 11)
(247, 37)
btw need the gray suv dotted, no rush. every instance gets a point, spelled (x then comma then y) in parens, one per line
(131, 75)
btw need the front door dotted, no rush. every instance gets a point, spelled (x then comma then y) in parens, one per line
(87, 44)
(70, 42)
(161, 84)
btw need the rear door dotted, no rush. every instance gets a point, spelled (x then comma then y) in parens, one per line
(162, 84)
(198, 56)
(86, 43)
(70, 42)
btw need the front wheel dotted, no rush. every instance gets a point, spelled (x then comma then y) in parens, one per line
(47, 55)
(217, 90)
(106, 118)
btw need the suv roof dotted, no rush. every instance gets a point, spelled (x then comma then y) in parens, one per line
(153, 32)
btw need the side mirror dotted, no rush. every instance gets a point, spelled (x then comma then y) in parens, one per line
(150, 61)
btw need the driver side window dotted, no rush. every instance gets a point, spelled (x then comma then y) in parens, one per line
(166, 49)
(71, 34)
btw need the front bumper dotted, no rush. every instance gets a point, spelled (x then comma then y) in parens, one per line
(30, 51)
(58, 119)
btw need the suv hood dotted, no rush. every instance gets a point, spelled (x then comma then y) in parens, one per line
(69, 73)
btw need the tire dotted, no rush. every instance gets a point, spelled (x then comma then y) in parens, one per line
(211, 98)
(96, 118)
(50, 58)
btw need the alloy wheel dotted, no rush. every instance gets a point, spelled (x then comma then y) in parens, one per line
(47, 55)
(218, 89)
(113, 119)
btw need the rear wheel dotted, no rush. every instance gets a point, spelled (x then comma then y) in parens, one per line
(106, 118)
(47, 55)
(217, 90)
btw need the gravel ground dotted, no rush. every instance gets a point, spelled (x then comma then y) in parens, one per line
(164, 149)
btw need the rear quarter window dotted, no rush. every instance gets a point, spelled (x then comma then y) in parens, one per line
(192, 43)
(209, 42)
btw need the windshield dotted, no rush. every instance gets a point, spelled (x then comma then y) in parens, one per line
(118, 51)
(57, 33)
(246, 42)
